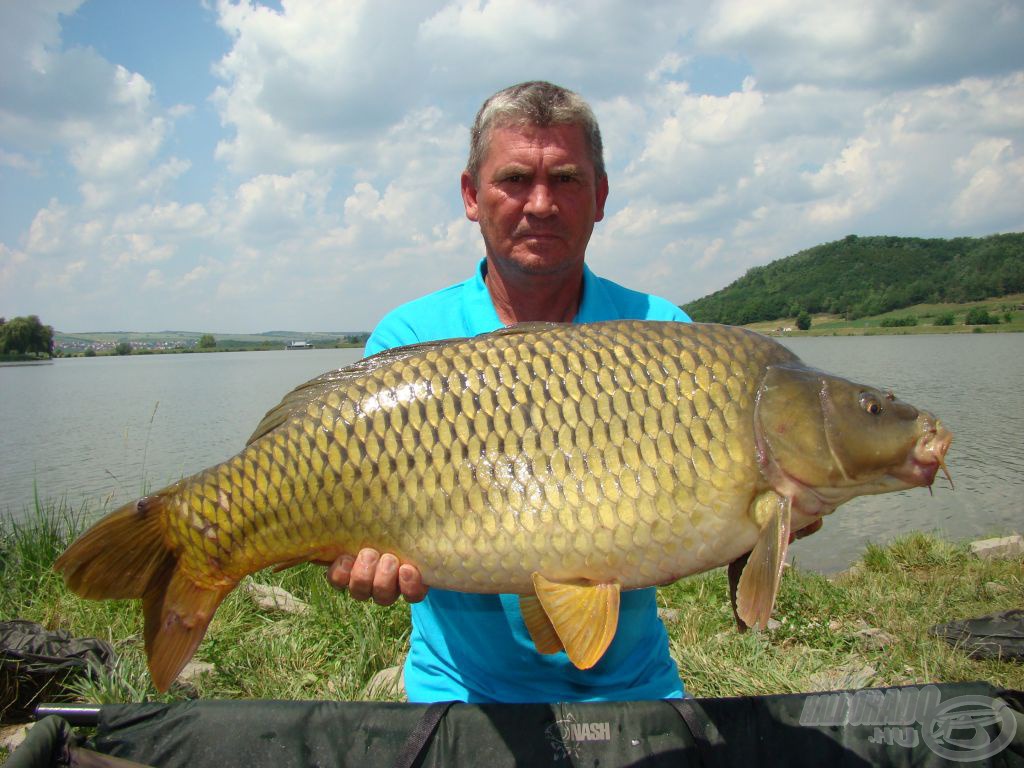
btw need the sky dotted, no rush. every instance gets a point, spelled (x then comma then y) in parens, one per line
(240, 167)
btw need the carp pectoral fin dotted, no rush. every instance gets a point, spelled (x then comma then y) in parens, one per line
(538, 625)
(735, 569)
(759, 582)
(177, 613)
(584, 615)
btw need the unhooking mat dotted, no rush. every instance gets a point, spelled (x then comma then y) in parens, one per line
(946, 724)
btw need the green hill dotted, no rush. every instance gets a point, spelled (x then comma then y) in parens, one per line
(859, 276)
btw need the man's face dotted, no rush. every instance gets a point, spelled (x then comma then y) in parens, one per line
(537, 198)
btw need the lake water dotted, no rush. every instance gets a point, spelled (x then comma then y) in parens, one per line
(105, 430)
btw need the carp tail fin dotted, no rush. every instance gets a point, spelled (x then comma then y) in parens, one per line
(126, 556)
(118, 557)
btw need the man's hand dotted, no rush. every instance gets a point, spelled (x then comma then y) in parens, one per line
(377, 576)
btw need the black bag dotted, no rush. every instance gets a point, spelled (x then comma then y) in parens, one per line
(35, 664)
(998, 636)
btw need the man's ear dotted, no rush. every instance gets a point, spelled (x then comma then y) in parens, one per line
(601, 197)
(469, 193)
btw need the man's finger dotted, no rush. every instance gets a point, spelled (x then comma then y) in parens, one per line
(385, 580)
(339, 572)
(410, 582)
(360, 583)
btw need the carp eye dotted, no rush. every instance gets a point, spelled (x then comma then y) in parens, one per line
(870, 404)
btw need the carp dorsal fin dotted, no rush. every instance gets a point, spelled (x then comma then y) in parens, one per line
(584, 615)
(531, 326)
(759, 583)
(296, 401)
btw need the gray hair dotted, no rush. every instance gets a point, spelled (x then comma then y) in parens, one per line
(537, 103)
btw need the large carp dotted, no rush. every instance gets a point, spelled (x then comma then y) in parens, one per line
(563, 463)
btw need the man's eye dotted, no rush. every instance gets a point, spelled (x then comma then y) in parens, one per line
(514, 178)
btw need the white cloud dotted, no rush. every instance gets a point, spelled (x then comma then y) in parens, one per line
(994, 189)
(306, 84)
(154, 280)
(48, 229)
(11, 262)
(19, 162)
(872, 43)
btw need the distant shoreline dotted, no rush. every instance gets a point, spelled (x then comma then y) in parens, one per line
(919, 330)
(13, 363)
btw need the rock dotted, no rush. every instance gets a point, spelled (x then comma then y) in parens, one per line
(851, 675)
(195, 670)
(669, 615)
(876, 639)
(854, 570)
(387, 684)
(772, 625)
(995, 588)
(1007, 546)
(11, 736)
(268, 598)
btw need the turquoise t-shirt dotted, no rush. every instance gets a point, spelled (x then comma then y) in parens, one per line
(475, 648)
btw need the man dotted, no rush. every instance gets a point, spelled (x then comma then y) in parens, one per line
(535, 183)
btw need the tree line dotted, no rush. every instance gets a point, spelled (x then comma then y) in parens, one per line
(25, 336)
(861, 276)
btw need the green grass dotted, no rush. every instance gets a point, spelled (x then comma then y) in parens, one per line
(334, 650)
(902, 589)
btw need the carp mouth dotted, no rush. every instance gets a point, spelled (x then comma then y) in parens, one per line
(927, 458)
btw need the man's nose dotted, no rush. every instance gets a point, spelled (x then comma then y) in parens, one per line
(540, 202)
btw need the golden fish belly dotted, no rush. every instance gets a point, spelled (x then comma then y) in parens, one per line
(605, 451)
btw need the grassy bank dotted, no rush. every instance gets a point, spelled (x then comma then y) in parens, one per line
(864, 628)
(926, 318)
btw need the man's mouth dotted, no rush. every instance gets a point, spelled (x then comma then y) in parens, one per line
(533, 234)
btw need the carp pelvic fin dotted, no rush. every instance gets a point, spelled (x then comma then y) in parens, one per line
(539, 625)
(759, 582)
(583, 614)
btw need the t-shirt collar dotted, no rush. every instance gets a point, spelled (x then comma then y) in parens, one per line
(481, 316)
